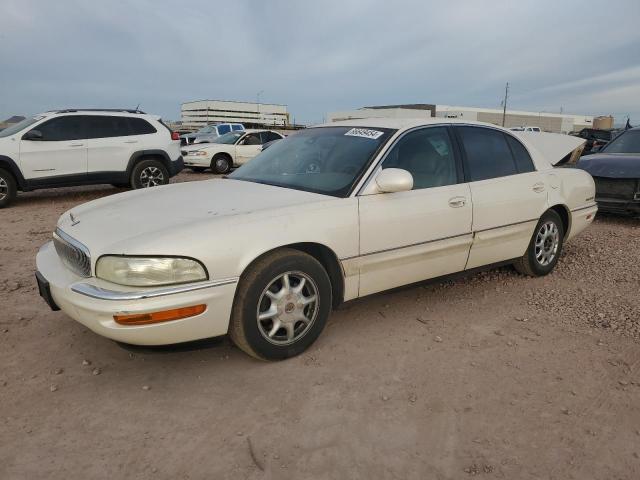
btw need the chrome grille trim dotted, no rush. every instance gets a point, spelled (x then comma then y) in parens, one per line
(73, 254)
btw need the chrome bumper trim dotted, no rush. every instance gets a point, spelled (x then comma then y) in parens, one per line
(105, 294)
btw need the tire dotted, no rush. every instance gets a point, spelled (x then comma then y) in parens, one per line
(198, 169)
(149, 173)
(262, 338)
(8, 188)
(544, 248)
(221, 163)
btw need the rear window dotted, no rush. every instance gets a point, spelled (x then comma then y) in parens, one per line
(520, 155)
(222, 129)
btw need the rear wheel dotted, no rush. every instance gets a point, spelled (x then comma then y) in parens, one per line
(7, 188)
(282, 305)
(544, 248)
(149, 173)
(221, 163)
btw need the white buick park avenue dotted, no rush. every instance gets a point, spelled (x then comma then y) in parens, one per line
(327, 215)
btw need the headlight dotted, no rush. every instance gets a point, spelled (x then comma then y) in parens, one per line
(148, 272)
(198, 153)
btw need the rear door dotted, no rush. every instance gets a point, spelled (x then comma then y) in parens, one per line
(62, 151)
(410, 236)
(508, 194)
(110, 143)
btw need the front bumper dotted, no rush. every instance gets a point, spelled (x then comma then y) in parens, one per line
(620, 206)
(94, 302)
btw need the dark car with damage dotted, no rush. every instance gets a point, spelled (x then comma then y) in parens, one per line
(616, 171)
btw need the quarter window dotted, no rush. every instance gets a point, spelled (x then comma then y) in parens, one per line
(521, 156)
(487, 153)
(140, 126)
(428, 155)
(59, 129)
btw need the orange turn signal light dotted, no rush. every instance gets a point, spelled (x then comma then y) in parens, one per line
(158, 317)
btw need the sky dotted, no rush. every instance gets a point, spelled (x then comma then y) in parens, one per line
(321, 56)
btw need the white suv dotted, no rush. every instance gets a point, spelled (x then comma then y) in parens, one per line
(85, 147)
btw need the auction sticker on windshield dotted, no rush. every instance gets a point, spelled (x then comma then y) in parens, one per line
(364, 132)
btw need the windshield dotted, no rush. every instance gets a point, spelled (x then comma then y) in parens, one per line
(13, 129)
(327, 160)
(628, 142)
(229, 138)
(206, 129)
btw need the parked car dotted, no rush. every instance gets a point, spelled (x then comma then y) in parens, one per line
(230, 150)
(85, 147)
(210, 133)
(616, 171)
(327, 215)
(525, 129)
(596, 139)
(268, 144)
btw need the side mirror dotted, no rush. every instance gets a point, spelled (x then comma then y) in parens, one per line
(32, 135)
(392, 180)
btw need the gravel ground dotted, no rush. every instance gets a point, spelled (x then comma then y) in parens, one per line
(492, 375)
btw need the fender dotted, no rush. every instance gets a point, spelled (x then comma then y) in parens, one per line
(8, 164)
(135, 157)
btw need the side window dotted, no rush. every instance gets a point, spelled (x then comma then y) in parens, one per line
(237, 127)
(428, 155)
(63, 128)
(139, 126)
(272, 136)
(222, 129)
(521, 156)
(488, 154)
(252, 139)
(105, 126)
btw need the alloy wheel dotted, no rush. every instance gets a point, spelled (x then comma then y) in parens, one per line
(287, 308)
(151, 177)
(547, 242)
(4, 189)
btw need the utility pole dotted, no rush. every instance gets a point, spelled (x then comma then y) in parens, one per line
(258, 102)
(504, 103)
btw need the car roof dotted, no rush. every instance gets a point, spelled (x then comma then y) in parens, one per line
(405, 123)
(109, 112)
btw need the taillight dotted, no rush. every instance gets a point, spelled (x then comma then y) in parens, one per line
(175, 136)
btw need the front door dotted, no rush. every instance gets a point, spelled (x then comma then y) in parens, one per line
(61, 151)
(249, 147)
(410, 236)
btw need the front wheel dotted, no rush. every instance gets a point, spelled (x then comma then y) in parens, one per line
(221, 164)
(149, 173)
(282, 305)
(544, 248)
(7, 188)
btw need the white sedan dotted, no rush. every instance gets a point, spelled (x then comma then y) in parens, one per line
(227, 151)
(330, 214)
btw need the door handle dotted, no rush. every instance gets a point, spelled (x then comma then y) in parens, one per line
(538, 187)
(131, 141)
(457, 202)
(76, 144)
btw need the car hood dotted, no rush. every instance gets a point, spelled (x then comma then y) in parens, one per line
(113, 224)
(612, 165)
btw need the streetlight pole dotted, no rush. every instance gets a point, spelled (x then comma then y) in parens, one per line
(504, 108)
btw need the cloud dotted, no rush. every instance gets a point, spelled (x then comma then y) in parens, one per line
(319, 56)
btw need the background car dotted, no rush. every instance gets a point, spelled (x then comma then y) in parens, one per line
(330, 214)
(209, 133)
(596, 139)
(616, 171)
(230, 150)
(525, 129)
(85, 147)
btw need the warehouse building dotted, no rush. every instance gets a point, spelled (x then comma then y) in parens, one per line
(199, 113)
(549, 122)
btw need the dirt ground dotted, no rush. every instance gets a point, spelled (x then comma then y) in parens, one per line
(493, 375)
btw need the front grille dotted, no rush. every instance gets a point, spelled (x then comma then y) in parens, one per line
(616, 187)
(72, 253)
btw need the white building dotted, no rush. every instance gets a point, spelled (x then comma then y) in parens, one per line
(199, 113)
(550, 122)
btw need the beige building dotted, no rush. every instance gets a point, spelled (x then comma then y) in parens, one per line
(199, 113)
(549, 122)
